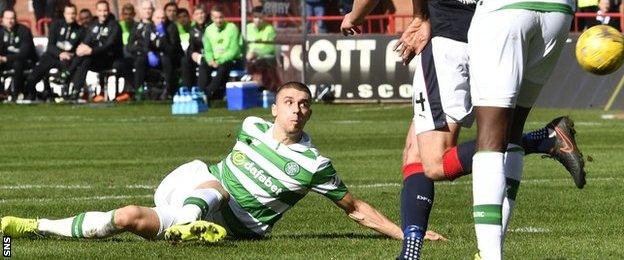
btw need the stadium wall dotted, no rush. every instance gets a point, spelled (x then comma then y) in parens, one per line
(365, 69)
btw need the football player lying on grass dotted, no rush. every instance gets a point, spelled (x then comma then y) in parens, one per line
(271, 167)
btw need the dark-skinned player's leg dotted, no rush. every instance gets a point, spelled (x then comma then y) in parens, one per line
(488, 180)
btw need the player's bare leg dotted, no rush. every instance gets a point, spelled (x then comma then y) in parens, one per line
(139, 220)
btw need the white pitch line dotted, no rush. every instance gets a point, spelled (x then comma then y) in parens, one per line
(447, 183)
(365, 186)
(38, 186)
(71, 187)
(530, 230)
(4, 201)
(147, 186)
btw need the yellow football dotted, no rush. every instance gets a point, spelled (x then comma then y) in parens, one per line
(600, 49)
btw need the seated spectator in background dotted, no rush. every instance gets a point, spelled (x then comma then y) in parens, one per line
(100, 50)
(138, 48)
(17, 53)
(316, 8)
(171, 46)
(127, 21)
(603, 17)
(183, 21)
(222, 51)
(193, 57)
(260, 55)
(586, 6)
(152, 44)
(85, 18)
(63, 38)
(171, 11)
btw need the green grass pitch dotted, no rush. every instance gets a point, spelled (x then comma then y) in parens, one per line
(60, 160)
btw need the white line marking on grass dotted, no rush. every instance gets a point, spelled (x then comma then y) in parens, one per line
(530, 230)
(76, 198)
(140, 186)
(37, 186)
(447, 183)
(376, 185)
(72, 187)
(364, 186)
(349, 121)
(588, 123)
(378, 108)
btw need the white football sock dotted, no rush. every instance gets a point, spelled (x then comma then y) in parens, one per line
(88, 225)
(199, 204)
(488, 188)
(514, 160)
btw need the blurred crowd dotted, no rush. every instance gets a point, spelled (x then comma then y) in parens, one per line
(154, 50)
(607, 12)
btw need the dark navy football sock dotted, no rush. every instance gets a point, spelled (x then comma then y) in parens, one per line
(465, 151)
(538, 141)
(416, 200)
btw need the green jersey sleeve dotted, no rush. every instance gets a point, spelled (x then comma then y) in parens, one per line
(326, 182)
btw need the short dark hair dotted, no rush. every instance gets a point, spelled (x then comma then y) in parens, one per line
(170, 4)
(127, 7)
(70, 5)
(102, 2)
(85, 10)
(8, 10)
(200, 7)
(217, 8)
(183, 11)
(296, 85)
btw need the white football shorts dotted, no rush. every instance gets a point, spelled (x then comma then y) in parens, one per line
(176, 187)
(441, 86)
(512, 53)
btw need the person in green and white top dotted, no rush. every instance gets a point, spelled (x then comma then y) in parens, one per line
(261, 63)
(260, 36)
(222, 50)
(271, 167)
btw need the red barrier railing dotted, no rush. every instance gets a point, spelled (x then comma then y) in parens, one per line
(42, 25)
(383, 23)
(589, 16)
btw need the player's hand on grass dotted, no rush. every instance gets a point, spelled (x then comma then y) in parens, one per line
(433, 236)
(350, 26)
(414, 39)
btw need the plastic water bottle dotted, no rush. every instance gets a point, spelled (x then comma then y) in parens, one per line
(184, 96)
(268, 98)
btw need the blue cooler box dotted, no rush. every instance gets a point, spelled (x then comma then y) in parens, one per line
(241, 95)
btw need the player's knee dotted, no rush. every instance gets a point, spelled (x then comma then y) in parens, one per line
(433, 167)
(127, 216)
(434, 173)
(411, 155)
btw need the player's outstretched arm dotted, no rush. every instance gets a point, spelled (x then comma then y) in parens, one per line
(355, 18)
(365, 215)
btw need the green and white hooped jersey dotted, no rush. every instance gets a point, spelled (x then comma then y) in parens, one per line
(266, 178)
